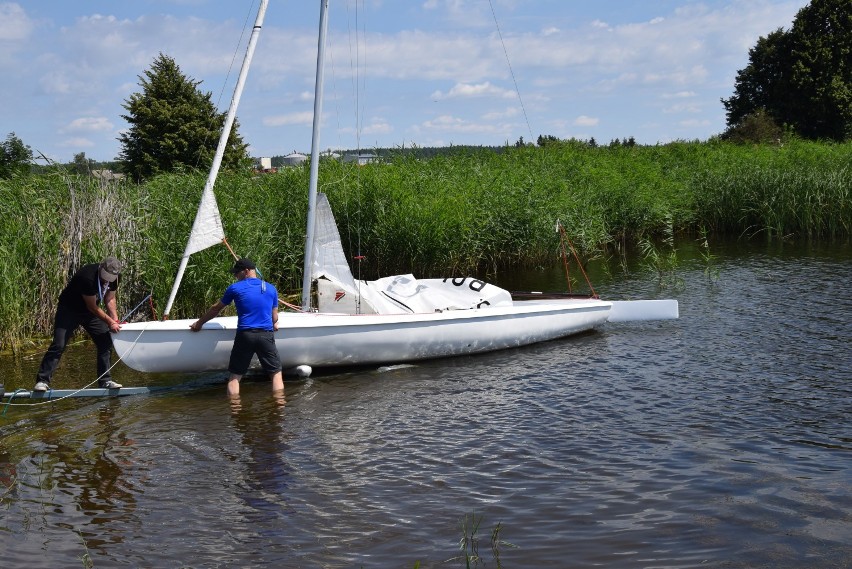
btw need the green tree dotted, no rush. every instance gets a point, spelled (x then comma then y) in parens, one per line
(174, 125)
(15, 157)
(757, 127)
(761, 86)
(801, 78)
(83, 165)
(822, 69)
(544, 140)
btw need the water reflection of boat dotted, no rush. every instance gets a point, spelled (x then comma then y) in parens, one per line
(391, 320)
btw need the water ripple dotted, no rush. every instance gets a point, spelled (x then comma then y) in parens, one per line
(722, 439)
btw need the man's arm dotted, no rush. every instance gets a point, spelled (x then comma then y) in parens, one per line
(275, 318)
(110, 303)
(211, 313)
(109, 300)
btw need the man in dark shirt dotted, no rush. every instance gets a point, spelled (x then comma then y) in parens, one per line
(90, 286)
(257, 319)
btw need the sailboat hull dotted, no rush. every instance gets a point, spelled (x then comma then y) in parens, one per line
(328, 340)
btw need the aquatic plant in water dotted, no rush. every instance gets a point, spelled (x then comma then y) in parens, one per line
(469, 542)
(662, 258)
(711, 271)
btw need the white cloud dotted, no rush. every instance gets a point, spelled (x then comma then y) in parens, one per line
(432, 56)
(451, 124)
(377, 126)
(509, 112)
(77, 142)
(461, 12)
(127, 88)
(680, 95)
(15, 25)
(462, 90)
(583, 120)
(304, 117)
(683, 108)
(87, 124)
(55, 83)
(694, 123)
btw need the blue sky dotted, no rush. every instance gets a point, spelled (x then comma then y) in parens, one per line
(399, 72)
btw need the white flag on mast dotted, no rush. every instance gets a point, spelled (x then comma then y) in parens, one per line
(207, 229)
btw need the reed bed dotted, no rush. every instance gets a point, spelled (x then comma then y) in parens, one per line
(465, 212)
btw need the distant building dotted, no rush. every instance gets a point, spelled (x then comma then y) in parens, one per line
(294, 159)
(107, 175)
(361, 159)
(264, 166)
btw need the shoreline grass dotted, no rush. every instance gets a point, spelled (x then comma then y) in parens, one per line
(466, 212)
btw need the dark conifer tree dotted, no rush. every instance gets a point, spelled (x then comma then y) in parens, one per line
(174, 125)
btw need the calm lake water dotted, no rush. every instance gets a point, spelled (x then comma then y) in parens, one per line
(722, 439)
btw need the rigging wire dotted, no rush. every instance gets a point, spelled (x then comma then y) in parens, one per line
(356, 64)
(563, 239)
(362, 84)
(251, 10)
(511, 71)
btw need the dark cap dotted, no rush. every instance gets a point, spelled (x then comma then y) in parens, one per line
(110, 269)
(242, 265)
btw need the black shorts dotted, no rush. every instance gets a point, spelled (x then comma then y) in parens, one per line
(250, 342)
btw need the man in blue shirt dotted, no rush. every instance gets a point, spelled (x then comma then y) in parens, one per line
(257, 319)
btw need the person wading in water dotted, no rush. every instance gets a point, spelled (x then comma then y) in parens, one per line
(257, 319)
(79, 305)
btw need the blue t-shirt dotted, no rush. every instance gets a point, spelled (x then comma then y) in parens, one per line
(254, 305)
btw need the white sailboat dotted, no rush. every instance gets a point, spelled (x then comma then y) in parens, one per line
(392, 320)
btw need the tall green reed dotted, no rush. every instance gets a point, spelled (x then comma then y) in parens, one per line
(52, 225)
(471, 211)
(801, 188)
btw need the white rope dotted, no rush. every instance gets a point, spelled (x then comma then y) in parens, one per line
(135, 341)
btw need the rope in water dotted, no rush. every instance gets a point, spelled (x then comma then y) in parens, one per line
(50, 400)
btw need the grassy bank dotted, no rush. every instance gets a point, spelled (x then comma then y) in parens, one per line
(466, 212)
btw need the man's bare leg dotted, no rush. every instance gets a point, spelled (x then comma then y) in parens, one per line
(234, 385)
(277, 381)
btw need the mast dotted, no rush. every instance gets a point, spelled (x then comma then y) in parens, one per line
(315, 141)
(207, 228)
